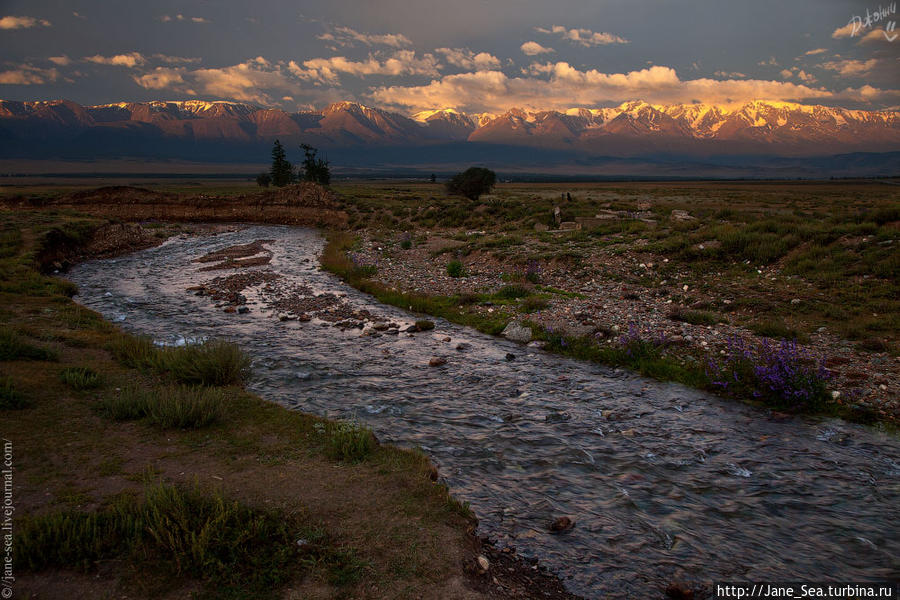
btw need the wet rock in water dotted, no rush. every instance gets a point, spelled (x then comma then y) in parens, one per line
(557, 417)
(411, 329)
(483, 563)
(424, 325)
(561, 524)
(380, 326)
(517, 332)
(539, 344)
(463, 347)
(678, 590)
(437, 361)
(229, 309)
(446, 339)
(284, 317)
(304, 318)
(392, 332)
(243, 310)
(510, 356)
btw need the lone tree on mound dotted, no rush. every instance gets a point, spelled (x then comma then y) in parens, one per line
(282, 171)
(314, 169)
(472, 183)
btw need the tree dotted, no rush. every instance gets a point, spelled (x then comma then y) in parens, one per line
(282, 171)
(314, 169)
(263, 180)
(433, 178)
(472, 183)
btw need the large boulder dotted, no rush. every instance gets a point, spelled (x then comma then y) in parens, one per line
(517, 332)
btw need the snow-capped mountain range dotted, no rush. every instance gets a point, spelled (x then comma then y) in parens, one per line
(630, 129)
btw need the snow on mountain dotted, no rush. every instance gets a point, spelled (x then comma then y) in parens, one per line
(631, 127)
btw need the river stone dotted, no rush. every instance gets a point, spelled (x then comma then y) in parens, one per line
(463, 346)
(243, 310)
(483, 563)
(437, 361)
(561, 524)
(517, 332)
(510, 356)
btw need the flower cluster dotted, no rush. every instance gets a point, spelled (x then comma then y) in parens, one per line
(785, 376)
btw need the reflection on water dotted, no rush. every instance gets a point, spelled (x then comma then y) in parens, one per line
(663, 482)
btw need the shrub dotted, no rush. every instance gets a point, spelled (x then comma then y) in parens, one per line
(783, 376)
(80, 378)
(197, 533)
(694, 317)
(533, 272)
(534, 304)
(13, 347)
(137, 352)
(361, 266)
(167, 407)
(512, 292)
(210, 363)
(424, 325)
(776, 330)
(10, 397)
(348, 441)
(455, 269)
(472, 183)
(406, 241)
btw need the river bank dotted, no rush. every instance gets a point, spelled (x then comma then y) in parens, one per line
(373, 527)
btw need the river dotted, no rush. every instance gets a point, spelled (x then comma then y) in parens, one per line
(663, 482)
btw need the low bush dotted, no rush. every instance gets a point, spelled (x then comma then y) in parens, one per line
(80, 378)
(10, 397)
(776, 330)
(694, 317)
(512, 292)
(534, 304)
(13, 347)
(137, 352)
(167, 407)
(347, 441)
(213, 362)
(455, 269)
(195, 533)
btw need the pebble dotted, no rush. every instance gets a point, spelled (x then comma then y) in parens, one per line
(561, 524)
(437, 361)
(510, 356)
(483, 563)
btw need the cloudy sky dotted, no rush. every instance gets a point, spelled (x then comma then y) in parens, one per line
(471, 55)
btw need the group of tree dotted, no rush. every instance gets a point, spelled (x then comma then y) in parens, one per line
(282, 171)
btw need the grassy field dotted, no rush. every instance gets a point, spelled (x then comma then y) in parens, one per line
(837, 244)
(151, 473)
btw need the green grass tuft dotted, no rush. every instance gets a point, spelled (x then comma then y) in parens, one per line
(80, 378)
(210, 363)
(10, 397)
(167, 407)
(13, 347)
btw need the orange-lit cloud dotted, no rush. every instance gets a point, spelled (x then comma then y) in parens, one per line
(28, 75)
(160, 78)
(345, 36)
(560, 86)
(583, 37)
(533, 49)
(852, 68)
(22, 22)
(402, 62)
(131, 59)
(466, 59)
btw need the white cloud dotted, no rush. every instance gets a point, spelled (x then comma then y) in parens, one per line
(131, 59)
(345, 36)
(251, 81)
(533, 48)
(584, 37)
(402, 62)
(560, 86)
(22, 22)
(467, 59)
(28, 75)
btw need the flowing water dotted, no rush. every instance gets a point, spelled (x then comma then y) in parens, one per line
(664, 482)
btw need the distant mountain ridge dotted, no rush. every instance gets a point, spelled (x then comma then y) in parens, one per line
(222, 130)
